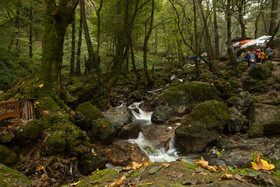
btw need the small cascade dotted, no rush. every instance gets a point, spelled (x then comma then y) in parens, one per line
(153, 148)
(139, 114)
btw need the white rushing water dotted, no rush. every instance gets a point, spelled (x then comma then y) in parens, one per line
(151, 147)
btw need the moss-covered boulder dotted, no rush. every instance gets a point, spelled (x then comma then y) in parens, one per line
(130, 130)
(55, 143)
(202, 126)
(185, 96)
(31, 131)
(7, 156)
(260, 72)
(242, 102)
(102, 129)
(227, 88)
(255, 85)
(265, 121)
(89, 112)
(162, 114)
(10, 177)
(91, 160)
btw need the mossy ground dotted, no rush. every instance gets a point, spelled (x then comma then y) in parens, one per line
(177, 174)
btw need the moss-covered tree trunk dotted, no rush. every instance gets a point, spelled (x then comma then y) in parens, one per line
(228, 18)
(57, 16)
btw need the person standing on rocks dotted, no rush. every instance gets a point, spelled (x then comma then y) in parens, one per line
(250, 58)
(269, 52)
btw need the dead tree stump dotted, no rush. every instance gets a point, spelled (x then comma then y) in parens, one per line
(28, 112)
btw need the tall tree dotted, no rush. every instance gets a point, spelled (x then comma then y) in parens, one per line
(57, 17)
(78, 62)
(90, 63)
(148, 32)
(72, 61)
(273, 16)
(207, 38)
(228, 19)
(216, 33)
(241, 7)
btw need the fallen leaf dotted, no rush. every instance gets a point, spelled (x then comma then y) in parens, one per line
(165, 165)
(226, 176)
(261, 164)
(204, 164)
(41, 85)
(104, 126)
(118, 182)
(143, 184)
(222, 168)
(145, 163)
(132, 148)
(135, 165)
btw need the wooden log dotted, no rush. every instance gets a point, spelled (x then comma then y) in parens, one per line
(28, 112)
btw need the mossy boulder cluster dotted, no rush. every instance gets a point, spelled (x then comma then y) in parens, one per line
(102, 130)
(185, 96)
(202, 126)
(30, 132)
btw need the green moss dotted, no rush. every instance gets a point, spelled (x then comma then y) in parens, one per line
(256, 130)
(7, 156)
(10, 177)
(103, 130)
(260, 72)
(7, 138)
(89, 112)
(31, 131)
(55, 143)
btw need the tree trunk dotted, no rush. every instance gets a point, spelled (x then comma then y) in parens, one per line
(28, 112)
(228, 19)
(72, 61)
(273, 16)
(204, 25)
(56, 20)
(240, 4)
(145, 47)
(78, 62)
(89, 64)
(31, 30)
(216, 35)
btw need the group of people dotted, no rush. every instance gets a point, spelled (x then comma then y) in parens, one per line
(257, 56)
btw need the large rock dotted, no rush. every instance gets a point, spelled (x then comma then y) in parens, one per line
(55, 143)
(185, 96)
(242, 102)
(123, 153)
(202, 126)
(10, 177)
(92, 160)
(162, 114)
(237, 121)
(237, 150)
(103, 130)
(118, 117)
(261, 72)
(89, 113)
(30, 132)
(7, 156)
(130, 130)
(265, 121)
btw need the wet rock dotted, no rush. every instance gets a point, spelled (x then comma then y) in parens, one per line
(55, 143)
(11, 177)
(238, 149)
(122, 153)
(261, 71)
(242, 102)
(103, 130)
(92, 160)
(30, 132)
(159, 133)
(130, 130)
(202, 126)
(184, 96)
(237, 120)
(162, 114)
(118, 117)
(265, 121)
(89, 113)
(7, 155)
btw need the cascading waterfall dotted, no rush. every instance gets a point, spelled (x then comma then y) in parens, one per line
(150, 147)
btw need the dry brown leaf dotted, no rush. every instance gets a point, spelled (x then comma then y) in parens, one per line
(145, 163)
(262, 164)
(222, 168)
(226, 176)
(118, 182)
(132, 148)
(204, 164)
(165, 165)
(135, 165)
